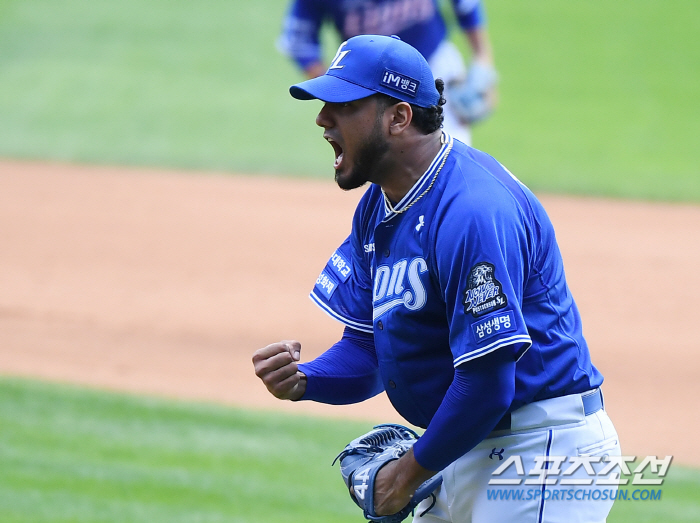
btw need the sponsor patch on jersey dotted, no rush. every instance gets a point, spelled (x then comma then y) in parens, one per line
(400, 82)
(489, 327)
(340, 266)
(484, 293)
(326, 284)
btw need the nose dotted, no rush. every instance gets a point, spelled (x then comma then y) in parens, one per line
(324, 119)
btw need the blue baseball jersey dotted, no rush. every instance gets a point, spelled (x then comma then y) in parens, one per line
(417, 22)
(454, 271)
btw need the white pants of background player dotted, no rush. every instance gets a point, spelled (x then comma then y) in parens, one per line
(447, 63)
(554, 427)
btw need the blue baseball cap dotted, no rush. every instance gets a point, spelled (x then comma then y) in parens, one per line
(369, 64)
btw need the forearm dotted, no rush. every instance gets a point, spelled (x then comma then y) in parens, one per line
(346, 373)
(477, 399)
(480, 45)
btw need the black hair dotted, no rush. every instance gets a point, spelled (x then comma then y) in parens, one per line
(426, 119)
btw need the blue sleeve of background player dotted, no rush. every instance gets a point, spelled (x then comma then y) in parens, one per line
(300, 33)
(470, 13)
(482, 251)
(346, 373)
(344, 290)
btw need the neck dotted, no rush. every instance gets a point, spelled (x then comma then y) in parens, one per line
(409, 161)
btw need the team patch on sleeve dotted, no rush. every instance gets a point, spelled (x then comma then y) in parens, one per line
(484, 293)
(340, 266)
(326, 284)
(489, 327)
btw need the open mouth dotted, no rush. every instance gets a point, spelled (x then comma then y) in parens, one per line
(338, 150)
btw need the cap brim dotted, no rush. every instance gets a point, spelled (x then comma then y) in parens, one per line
(329, 88)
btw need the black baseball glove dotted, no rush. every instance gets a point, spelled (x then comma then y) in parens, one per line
(363, 457)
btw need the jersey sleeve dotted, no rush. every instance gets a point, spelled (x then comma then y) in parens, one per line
(482, 252)
(300, 32)
(470, 13)
(344, 289)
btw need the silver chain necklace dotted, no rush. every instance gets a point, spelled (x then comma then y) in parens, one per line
(444, 159)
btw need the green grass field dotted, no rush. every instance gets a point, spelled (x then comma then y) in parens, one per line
(597, 97)
(69, 454)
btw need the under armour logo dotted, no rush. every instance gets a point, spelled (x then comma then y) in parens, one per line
(420, 222)
(499, 454)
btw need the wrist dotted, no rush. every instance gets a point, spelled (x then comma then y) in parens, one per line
(411, 474)
(299, 389)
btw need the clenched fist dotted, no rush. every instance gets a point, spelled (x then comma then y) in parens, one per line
(276, 366)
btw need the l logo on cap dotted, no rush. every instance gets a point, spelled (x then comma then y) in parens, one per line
(335, 63)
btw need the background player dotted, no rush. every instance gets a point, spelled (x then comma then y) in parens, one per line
(452, 291)
(418, 22)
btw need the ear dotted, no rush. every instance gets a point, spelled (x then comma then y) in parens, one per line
(401, 115)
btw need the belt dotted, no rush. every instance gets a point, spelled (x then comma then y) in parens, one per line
(592, 402)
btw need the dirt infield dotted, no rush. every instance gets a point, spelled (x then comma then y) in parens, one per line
(165, 283)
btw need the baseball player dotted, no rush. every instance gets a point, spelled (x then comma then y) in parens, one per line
(472, 94)
(452, 291)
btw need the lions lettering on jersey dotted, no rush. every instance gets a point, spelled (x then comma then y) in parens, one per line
(398, 285)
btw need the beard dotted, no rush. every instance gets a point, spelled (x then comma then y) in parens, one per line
(366, 164)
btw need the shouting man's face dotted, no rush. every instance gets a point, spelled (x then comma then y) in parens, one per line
(355, 132)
